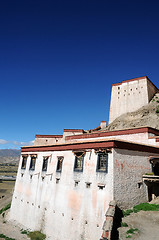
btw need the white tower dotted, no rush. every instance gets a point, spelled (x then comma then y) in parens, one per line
(130, 95)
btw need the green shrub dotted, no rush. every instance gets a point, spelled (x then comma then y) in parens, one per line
(36, 235)
(157, 111)
(127, 212)
(124, 224)
(146, 207)
(6, 238)
(128, 236)
(5, 208)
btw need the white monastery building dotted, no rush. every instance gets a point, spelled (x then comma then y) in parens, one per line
(65, 182)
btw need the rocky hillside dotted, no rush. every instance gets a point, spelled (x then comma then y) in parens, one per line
(145, 116)
(9, 156)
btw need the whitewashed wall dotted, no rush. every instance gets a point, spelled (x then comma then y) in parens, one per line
(63, 210)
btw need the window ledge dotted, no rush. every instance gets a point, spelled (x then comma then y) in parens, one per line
(101, 185)
(102, 171)
(78, 170)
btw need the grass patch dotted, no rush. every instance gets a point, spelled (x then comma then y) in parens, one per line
(6, 238)
(132, 230)
(124, 224)
(137, 208)
(143, 207)
(5, 208)
(36, 235)
(146, 207)
(150, 173)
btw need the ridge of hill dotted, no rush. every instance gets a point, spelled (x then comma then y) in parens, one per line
(9, 156)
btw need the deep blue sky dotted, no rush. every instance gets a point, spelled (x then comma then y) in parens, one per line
(58, 60)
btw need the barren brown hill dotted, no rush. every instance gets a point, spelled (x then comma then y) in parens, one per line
(9, 156)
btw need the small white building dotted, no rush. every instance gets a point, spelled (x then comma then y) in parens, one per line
(65, 182)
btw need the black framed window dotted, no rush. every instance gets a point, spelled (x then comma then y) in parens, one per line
(24, 161)
(102, 162)
(45, 163)
(59, 163)
(79, 159)
(33, 162)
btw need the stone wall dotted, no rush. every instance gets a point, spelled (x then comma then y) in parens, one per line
(129, 167)
(108, 223)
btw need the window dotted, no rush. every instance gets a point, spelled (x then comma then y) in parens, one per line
(102, 162)
(79, 159)
(32, 162)
(59, 163)
(45, 163)
(24, 161)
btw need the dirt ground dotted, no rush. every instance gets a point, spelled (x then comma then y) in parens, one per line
(146, 222)
(11, 230)
(7, 228)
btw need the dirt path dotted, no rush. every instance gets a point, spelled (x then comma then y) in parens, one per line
(4, 201)
(146, 222)
(7, 228)
(10, 230)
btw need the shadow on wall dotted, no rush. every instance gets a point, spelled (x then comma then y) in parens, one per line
(116, 223)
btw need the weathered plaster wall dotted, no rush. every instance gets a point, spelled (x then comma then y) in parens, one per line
(136, 137)
(153, 141)
(129, 167)
(63, 210)
(44, 141)
(69, 132)
(151, 90)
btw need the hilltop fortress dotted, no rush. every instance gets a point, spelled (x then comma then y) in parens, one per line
(130, 95)
(65, 182)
